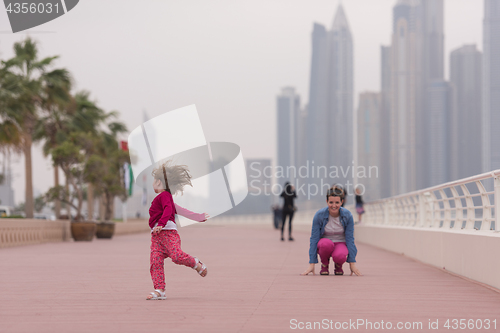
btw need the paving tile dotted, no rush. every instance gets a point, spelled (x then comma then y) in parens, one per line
(253, 285)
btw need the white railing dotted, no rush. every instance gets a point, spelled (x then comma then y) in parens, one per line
(469, 203)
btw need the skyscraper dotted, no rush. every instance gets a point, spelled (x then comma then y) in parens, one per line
(331, 95)
(302, 138)
(317, 119)
(369, 144)
(466, 81)
(259, 175)
(491, 85)
(385, 122)
(417, 60)
(430, 29)
(405, 82)
(340, 91)
(438, 129)
(431, 16)
(288, 116)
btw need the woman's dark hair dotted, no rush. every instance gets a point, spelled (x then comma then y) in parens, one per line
(288, 188)
(335, 191)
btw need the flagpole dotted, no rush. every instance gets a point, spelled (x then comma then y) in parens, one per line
(127, 182)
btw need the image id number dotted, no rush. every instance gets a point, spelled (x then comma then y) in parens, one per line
(27, 7)
(470, 324)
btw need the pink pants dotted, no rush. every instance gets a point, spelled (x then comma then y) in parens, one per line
(327, 249)
(163, 245)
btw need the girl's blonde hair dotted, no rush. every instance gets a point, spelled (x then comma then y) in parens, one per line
(173, 177)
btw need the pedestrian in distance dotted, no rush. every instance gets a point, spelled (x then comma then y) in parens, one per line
(169, 180)
(276, 216)
(288, 196)
(359, 204)
(332, 235)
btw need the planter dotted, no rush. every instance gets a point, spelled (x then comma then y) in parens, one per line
(105, 230)
(83, 231)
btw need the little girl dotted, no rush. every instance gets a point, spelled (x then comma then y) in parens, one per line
(165, 241)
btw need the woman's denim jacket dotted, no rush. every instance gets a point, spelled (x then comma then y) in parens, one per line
(318, 228)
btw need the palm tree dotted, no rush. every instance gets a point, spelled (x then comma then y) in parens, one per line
(10, 140)
(78, 139)
(52, 128)
(104, 169)
(36, 88)
(10, 135)
(88, 118)
(72, 155)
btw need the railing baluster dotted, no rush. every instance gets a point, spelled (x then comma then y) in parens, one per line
(485, 201)
(447, 213)
(459, 212)
(497, 202)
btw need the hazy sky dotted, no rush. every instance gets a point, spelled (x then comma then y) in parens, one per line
(230, 58)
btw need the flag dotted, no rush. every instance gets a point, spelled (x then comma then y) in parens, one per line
(129, 178)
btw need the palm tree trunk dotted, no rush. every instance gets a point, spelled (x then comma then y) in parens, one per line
(29, 202)
(80, 203)
(111, 205)
(66, 197)
(57, 203)
(102, 207)
(109, 202)
(90, 202)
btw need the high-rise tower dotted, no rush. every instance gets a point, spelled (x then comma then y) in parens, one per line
(417, 61)
(317, 124)
(491, 85)
(438, 129)
(385, 122)
(330, 110)
(369, 144)
(340, 92)
(466, 81)
(430, 32)
(288, 107)
(405, 80)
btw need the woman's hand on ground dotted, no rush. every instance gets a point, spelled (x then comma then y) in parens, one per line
(309, 270)
(206, 217)
(354, 269)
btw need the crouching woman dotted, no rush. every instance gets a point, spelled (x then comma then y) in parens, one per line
(332, 235)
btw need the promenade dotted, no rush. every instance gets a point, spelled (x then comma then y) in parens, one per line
(253, 285)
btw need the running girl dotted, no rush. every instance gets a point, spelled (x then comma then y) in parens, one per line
(165, 241)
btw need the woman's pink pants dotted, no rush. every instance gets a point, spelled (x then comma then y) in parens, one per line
(327, 248)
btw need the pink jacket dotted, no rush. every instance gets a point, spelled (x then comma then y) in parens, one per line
(200, 217)
(163, 209)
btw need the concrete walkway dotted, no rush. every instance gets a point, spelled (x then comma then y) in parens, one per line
(253, 285)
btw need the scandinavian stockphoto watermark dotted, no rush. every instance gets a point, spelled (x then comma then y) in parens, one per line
(219, 180)
(26, 14)
(309, 180)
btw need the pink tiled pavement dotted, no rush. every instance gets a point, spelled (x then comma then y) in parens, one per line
(253, 285)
